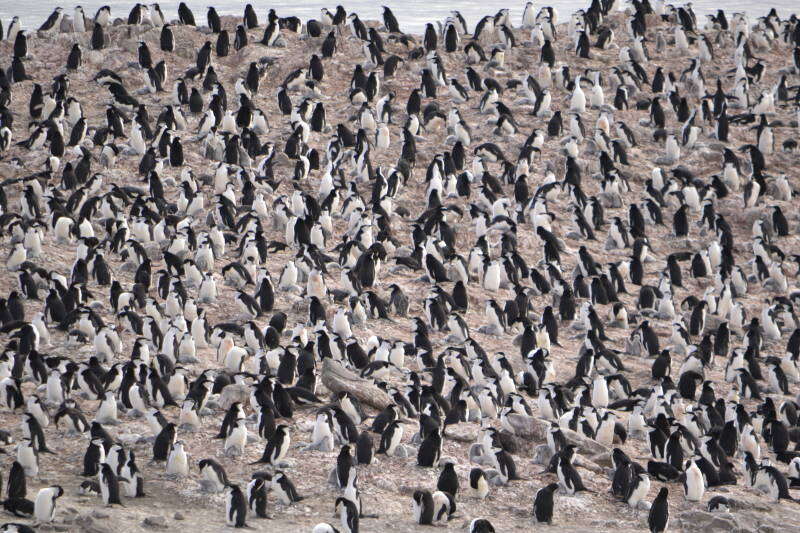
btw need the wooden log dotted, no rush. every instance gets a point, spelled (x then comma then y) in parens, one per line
(337, 378)
(537, 429)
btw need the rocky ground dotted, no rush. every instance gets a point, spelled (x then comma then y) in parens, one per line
(388, 484)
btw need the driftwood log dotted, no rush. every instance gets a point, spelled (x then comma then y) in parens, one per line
(337, 378)
(536, 428)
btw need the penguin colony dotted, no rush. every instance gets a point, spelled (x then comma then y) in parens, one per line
(535, 242)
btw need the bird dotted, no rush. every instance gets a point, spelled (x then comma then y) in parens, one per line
(373, 239)
(658, 517)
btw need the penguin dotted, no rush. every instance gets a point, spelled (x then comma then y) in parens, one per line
(638, 489)
(13, 29)
(448, 480)
(21, 44)
(693, 481)
(75, 58)
(543, 504)
(44, 506)
(185, 15)
(28, 457)
(16, 488)
(658, 516)
(214, 477)
(109, 485)
(284, 489)
(324, 527)
(257, 496)
(348, 514)
(423, 507)
(213, 19)
(277, 447)
(235, 507)
(481, 525)
(93, 458)
(478, 483)
(53, 22)
(167, 39)
(568, 476)
(177, 461)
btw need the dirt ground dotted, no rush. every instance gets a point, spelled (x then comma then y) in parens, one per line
(388, 484)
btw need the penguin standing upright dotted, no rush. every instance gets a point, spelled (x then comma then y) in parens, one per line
(693, 481)
(423, 507)
(543, 504)
(277, 447)
(658, 517)
(257, 496)
(167, 39)
(478, 483)
(109, 485)
(568, 476)
(235, 507)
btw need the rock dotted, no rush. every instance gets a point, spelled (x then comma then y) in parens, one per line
(97, 513)
(386, 484)
(179, 516)
(130, 46)
(665, 161)
(587, 464)
(87, 524)
(155, 522)
(282, 161)
(53, 527)
(602, 459)
(185, 52)
(129, 438)
(702, 521)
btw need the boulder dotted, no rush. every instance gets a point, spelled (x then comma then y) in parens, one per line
(705, 522)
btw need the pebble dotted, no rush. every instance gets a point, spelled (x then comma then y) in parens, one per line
(155, 522)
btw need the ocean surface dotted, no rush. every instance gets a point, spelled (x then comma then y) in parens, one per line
(412, 14)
